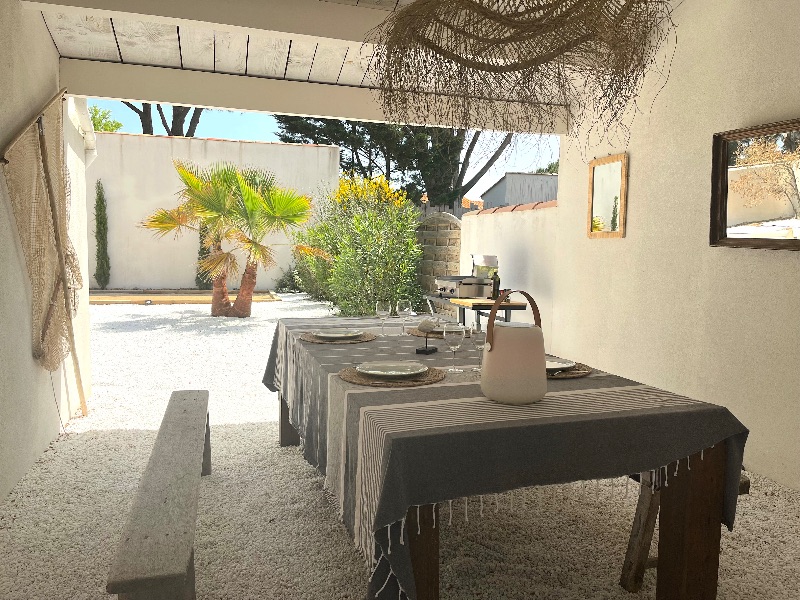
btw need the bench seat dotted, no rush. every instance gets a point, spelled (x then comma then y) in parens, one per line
(155, 556)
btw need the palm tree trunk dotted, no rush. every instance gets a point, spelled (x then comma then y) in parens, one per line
(220, 302)
(244, 299)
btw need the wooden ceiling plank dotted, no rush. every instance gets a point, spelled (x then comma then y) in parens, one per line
(197, 48)
(328, 63)
(148, 43)
(231, 52)
(267, 56)
(82, 36)
(381, 4)
(355, 64)
(301, 57)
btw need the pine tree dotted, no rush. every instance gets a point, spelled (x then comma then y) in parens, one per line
(102, 272)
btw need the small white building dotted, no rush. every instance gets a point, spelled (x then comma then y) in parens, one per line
(521, 188)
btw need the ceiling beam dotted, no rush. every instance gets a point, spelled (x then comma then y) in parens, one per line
(293, 17)
(237, 92)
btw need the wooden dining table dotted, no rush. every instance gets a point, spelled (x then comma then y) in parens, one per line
(391, 456)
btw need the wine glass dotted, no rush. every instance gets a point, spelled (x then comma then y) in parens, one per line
(405, 310)
(383, 308)
(479, 341)
(453, 337)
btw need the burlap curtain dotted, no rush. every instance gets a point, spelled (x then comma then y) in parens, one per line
(28, 191)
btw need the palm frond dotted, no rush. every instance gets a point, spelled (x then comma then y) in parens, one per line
(259, 253)
(165, 221)
(285, 209)
(219, 263)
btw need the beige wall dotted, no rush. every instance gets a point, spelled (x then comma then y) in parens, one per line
(661, 306)
(526, 254)
(77, 157)
(28, 416)
(138, 177)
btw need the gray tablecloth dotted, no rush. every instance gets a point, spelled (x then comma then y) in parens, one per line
(385, 450)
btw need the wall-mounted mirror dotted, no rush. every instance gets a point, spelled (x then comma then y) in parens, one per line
(608, 183)
(755, 201)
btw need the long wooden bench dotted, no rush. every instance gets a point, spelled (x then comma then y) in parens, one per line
(155, 556)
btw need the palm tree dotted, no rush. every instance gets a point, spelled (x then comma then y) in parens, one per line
(238, 208)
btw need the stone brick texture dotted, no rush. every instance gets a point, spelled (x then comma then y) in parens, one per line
(440, 237)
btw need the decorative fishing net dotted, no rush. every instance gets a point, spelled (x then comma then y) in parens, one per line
(517, 64)
(30, 203)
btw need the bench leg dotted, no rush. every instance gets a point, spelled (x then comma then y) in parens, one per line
(424, 549)
(207, 450)
(690, 529)
(287, 434)
(644, 523)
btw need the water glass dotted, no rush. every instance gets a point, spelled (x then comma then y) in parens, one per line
(479, 341)
(405, 310)
(383, 308)
(454, 337)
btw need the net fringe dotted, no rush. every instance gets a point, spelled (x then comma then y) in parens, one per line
(518, 64)
(30, 204)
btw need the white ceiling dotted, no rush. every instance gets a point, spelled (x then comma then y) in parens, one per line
(199, 47)
(301, 57)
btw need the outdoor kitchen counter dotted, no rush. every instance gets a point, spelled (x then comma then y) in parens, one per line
(479, 305)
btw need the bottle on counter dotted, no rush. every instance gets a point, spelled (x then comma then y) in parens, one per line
(495, 286)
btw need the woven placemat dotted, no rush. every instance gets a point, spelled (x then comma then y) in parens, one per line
(432, 375)
(579, 370)
(364, 337)
(432, 336)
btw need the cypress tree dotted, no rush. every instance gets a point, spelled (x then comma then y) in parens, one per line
(615, 214)
(202, 252)
(102, 272)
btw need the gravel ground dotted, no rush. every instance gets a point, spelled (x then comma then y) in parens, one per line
(141, 353)
(265, 529)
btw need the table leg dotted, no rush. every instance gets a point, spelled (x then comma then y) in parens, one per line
(424, 549)
(644, 523)
(690, 528)
(287, 434)
(462, 315)
(508, 316)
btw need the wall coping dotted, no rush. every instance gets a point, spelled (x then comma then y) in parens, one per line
(513, 208)
(212, 139)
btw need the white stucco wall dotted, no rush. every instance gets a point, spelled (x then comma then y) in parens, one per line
(75, 154)
(524, 245)
(661, 306)
(28, 415)
(138, 177)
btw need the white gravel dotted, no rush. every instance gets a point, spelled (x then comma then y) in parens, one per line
(141, 353)
(265, 529)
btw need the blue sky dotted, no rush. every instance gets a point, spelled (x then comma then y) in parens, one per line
(530, 153)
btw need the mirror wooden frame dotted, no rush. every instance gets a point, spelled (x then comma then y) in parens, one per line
(719, 187)
(623, 195)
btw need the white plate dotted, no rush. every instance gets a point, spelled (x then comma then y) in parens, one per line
(392, 368)
(337, 334)
(558, 364)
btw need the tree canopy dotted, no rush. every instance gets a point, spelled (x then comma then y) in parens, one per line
(417, 159)
(102, 121)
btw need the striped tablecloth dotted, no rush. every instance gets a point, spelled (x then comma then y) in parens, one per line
(383, 451)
